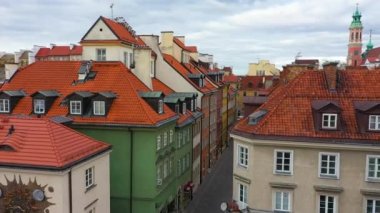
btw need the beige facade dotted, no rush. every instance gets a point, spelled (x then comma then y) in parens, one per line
(57, 183)
(305, 185)
(262, 68)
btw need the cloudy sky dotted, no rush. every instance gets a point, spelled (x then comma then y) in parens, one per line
(236, 32)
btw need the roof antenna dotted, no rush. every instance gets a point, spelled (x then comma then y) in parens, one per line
(111, 6)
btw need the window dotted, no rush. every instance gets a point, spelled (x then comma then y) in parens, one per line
(242, 156)
(282, 201)
(159, 175)
(101, 54)
(373, 167)
(4, 105)
(283, 162)
(92, 210)
(177, 108)
(165, 139)
(327, 204)
(329, 165)
(171, 136)
(158, 142)
(39, 106)
(151, 68)
(126, 59)
(192, 105)
(184, 107)
(130, 59)
(160, 106)
(374, 122)
(89, 177)
(243, 192)
(75, 107)
(99, 108)
(166, 169)
(171, 165)
(329, 121)
(179, 139)
(373, 206)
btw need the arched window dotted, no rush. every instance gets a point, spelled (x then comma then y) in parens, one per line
(357, 36)
(352, 36)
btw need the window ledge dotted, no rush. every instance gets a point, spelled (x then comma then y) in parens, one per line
(324, 188)
(242, 167)
(373, 180)
(370, 192)
(283, 185)
(90, 188)
(329, 177)
(283, 173)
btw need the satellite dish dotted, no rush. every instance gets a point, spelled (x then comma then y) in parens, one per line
(223, 206)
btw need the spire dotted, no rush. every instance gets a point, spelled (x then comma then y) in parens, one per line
(370, 45)
(356, 22)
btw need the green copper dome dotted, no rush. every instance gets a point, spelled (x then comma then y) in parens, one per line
(356, 22)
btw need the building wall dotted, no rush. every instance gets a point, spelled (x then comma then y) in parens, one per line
(196, 153)
(100, 31)
(262, 65)
(225, 115)
(205, 134)
(97, 197)
(260, 174)
(213, 128)
(113, 52)
(142, 68)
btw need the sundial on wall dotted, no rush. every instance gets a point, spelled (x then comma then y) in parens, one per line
(17, 197)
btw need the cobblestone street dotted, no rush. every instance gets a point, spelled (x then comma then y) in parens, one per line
(216, 187)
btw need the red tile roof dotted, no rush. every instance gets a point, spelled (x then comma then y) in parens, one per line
(120, 31)
(127, 108)
(290, 106)
(76, 50)
(191, 49)
(44, 143)
(185, 70)
(231, 78)
(373, 56)
(43, 52)
(60, 51)
(254, 82)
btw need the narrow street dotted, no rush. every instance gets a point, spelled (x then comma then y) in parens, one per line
(216, 187)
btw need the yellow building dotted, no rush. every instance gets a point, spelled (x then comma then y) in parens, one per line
(262, 68)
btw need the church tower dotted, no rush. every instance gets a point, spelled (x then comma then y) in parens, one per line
(355, 40)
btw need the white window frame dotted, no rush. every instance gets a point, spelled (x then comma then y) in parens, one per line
(165, 139)
(184, 108)
(377, 169)
(192, 105)
(160, 106)
(335, 210)
(4, 105)
(126, 63)
(282, 193)
(171, 134)
(377, 122)
(99, 107)
(100, 55)
(75, 112)
(158, 142)
(90, 177)
(283, 172)
(166, 165)
(152, 68)
(39, 106)
(242, 162)
(329, 116)
(337, 165)
(242, 195)
(375, 200)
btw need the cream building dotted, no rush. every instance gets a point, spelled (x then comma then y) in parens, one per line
(46, 167)
(262, 68)
(313, 147)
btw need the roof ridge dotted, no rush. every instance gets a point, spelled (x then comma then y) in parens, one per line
(52, 136)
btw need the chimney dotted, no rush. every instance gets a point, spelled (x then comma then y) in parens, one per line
(52, 45)
(330, 70)
(167, 42)
(72, 46)
(181, 38)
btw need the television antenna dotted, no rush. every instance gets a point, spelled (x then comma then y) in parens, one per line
(111, 6)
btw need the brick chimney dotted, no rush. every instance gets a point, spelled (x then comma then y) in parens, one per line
(331, 75)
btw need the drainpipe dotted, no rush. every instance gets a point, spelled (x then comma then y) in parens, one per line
(131, 175)
(70, 193)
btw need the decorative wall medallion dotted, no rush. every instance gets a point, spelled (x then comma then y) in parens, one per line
(17, 197)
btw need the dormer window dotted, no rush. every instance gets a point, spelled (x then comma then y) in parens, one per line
(4, 105)
(39, 106)
(99, 107)
(255, 117)
(192, 105)
(177, 108)
(43, 100)
(76, 107)
(329, 121)
(160, 106)
(374, 122)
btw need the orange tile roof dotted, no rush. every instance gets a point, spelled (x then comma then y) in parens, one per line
(120, 31)
(76, 50)
(60, 51)
(185, 70)
(128, 108)
(191, 49)
(42, 52)
(290, 111)
(231, 78)
(43, 143)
